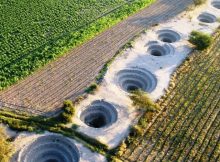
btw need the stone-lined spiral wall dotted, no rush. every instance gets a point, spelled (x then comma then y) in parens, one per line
(207, 18)
(160, 49)
(99, 114)
(50, 148)
(136, 78)
(216, 4)
(168, 36)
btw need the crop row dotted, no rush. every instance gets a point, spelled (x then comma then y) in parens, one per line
(189, 117)
(33, 44)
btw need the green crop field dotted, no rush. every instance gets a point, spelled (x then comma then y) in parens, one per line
(33, 33)
(187, 128)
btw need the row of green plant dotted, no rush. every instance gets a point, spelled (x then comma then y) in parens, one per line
(183, 113)
(199, 2)
(19, 63)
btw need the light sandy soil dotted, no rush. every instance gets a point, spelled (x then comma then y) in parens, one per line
(162, 67)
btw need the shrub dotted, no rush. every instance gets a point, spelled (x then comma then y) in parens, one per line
(91, 88)
(5, 148)
(141, 100)
(136, 131)
(114, 159)
(68, 111)
(200, 40)
(121, 149)
(199, 2)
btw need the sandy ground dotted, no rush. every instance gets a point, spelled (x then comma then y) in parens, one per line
(162, 67)
(24, 139)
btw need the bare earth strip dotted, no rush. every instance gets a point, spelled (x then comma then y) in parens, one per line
(67, 77)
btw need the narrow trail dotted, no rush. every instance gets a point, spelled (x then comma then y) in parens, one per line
(67, 77)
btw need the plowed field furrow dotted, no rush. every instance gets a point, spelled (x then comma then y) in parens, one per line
(68, 76)
(190, 138)
(177, 122)
(183, 126)
(170, 142)
(208, 135)
(192, 149)
(210, 145)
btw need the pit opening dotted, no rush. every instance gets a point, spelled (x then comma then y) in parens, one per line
(96, 120)
(156, 53)
(51, 160)
(167, 40)
(50, 148)
(136, 78)
(216, 4)
(99, 114)
(160, 49)
(207, 18)
(168, 36)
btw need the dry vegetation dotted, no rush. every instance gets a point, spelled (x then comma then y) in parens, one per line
(5, 146)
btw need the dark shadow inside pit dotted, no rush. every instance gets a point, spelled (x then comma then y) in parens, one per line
(167, 40)
(51, 160)
(207, 18)
(99, 114)
(136, 79)
(168, 36)
(96, 121)
(216, 4)
(156, 53)
(132, 88)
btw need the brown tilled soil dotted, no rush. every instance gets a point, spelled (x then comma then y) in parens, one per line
(67, 77)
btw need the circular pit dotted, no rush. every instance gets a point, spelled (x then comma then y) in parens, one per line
(136, 79)
(99, 114)
(50, 148)
(207, 18)
(168, 36)
(216, 4)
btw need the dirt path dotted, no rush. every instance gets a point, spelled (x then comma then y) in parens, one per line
(68, 76)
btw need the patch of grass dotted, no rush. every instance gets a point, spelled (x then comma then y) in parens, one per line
(141, 100)
(68, 112)
(5, 146)
(201, 40)
(199, 2)
(92, 88)
(39, 124)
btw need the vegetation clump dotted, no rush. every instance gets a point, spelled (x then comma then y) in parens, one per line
(199, 2)
(92, 88)
(5, 147)
(68, 112)
(141, 100)
(200, 40)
